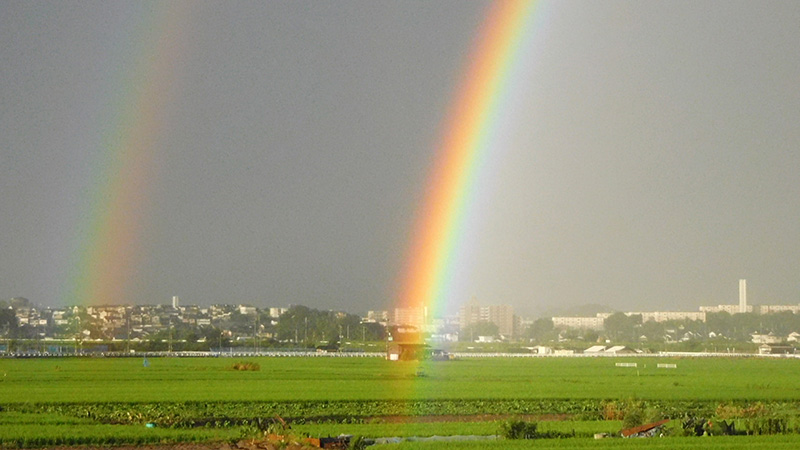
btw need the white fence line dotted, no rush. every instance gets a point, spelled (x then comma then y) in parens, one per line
(315, 354)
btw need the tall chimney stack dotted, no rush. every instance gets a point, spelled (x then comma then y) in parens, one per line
(742, 296)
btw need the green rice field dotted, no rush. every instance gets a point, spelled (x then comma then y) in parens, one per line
(701, 443)
(108, 401)
(292, 379)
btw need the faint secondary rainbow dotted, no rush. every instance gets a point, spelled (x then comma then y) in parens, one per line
(125, 169)
(467, 140)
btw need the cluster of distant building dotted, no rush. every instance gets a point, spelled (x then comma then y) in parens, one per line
(140, 321)
(137, 322)
(447, 329)
(128, 321)
(597, 322)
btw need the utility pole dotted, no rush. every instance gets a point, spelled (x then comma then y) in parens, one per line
(128, 327)
(255, 332)
(170, 335)
(78, 336)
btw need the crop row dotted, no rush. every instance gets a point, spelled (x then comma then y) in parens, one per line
(484, 428)
(226, 414)
(37, 435)
(671, 443)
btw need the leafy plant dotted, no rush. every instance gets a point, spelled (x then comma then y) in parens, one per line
(518, 429)
(357, 443)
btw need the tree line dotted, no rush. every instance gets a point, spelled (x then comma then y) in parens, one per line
(720, 327)
(299, 326)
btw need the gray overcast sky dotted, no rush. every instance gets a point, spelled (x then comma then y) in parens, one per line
(652, 156)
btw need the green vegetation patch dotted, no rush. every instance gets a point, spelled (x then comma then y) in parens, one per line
(21, 430)
(342, 379)
(105, 401)
(667, 443)
(486, 428)
(244, 366)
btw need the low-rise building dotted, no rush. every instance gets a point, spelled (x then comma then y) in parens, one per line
(664, 316)
(620, 350)
(768, 309)
(730, 309)
(586, 323)
(771, 349)
(766, 339)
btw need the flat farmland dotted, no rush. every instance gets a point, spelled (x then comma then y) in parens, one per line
(672, 443)
(108, 401)
(337, 379)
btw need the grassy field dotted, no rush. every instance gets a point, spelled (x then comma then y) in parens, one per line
(671, 443)
(39, 430)
(375, 430)
(292, 379)
(100, 401)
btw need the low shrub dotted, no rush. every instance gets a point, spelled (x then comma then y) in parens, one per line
(357, 443)
(246, 366)
(636, 412)
(518, 429)
(766, 425)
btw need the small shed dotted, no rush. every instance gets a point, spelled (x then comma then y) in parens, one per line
(647, 430)
(542, 350)
(397, 351)
(620, 350)
(595, 349)
(767, 349)
(405, 344)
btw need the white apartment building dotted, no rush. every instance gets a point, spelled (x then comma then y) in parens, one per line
(730, 309)
(663, 316)
(583, 323)
(767, 309)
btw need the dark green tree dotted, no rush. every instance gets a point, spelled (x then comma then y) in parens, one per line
(653, 331)
(541, 330)
(8, 322)
(483, 328)
(622, 328)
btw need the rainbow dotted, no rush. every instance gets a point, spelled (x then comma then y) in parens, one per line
(126, 166)
(466, 142)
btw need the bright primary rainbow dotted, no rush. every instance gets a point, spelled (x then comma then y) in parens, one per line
(107, 252)
(468, 136)
(126, 167)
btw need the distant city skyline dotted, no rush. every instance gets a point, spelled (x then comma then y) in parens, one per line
(474, 311)
(276, 153)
